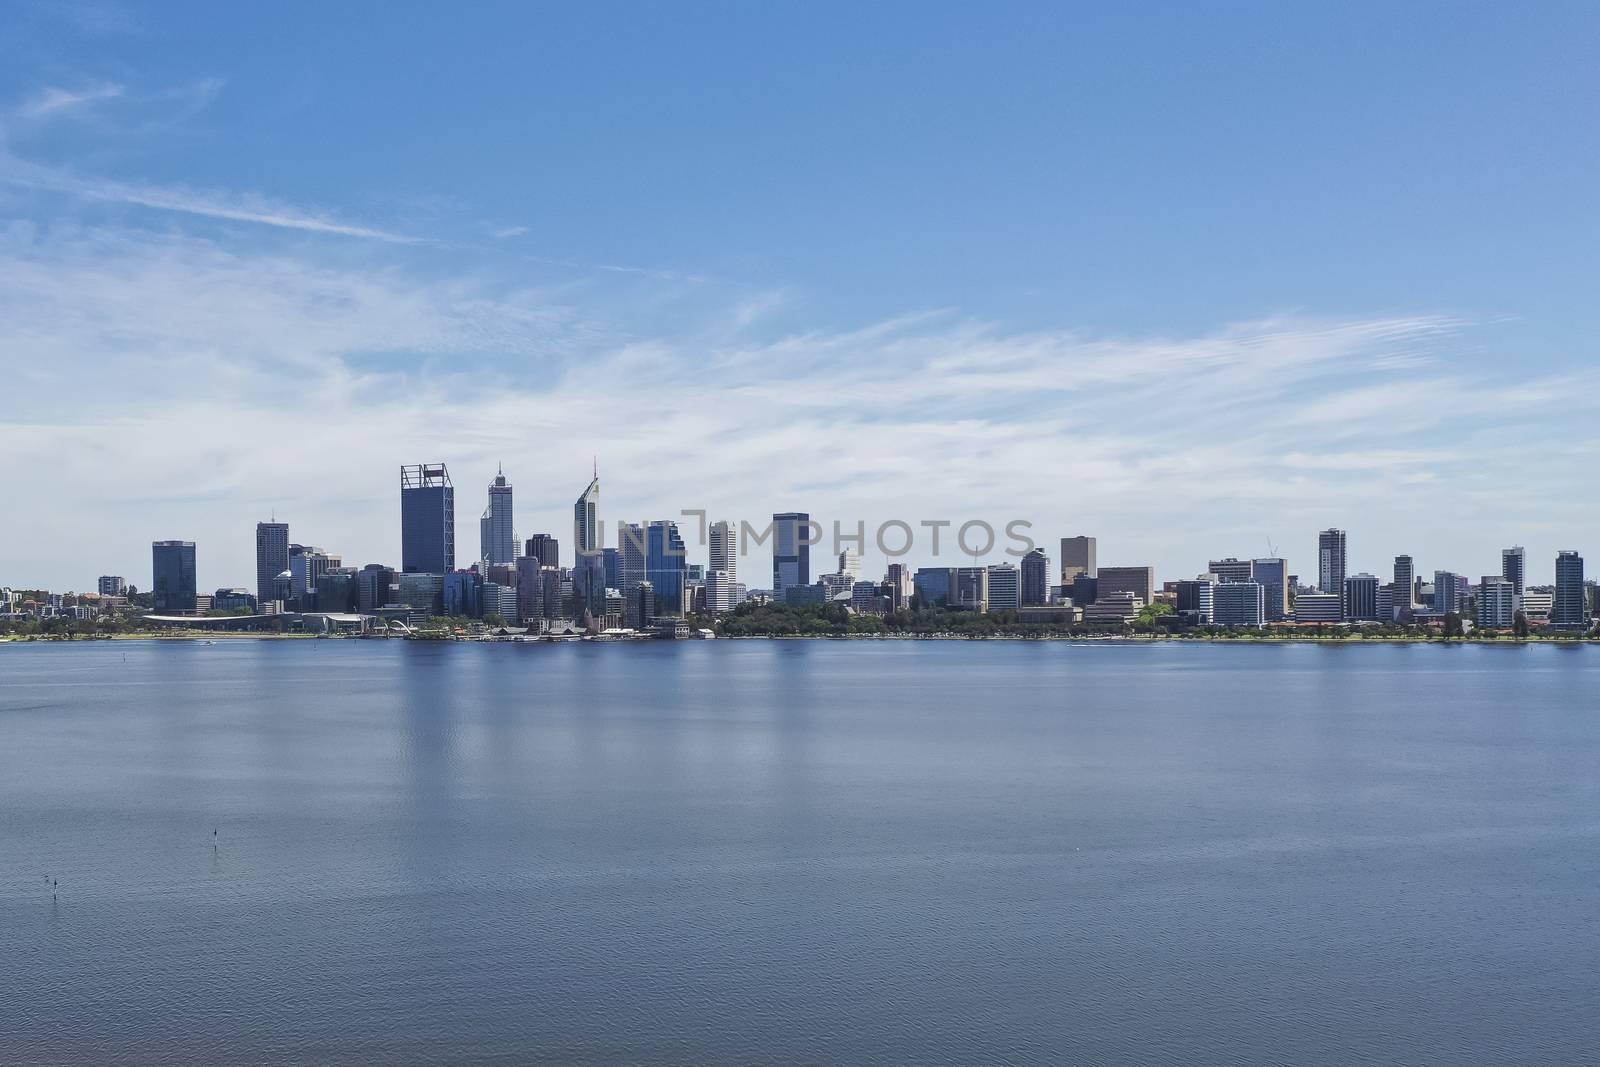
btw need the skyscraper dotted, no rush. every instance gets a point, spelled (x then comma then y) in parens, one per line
(172, 584)
(1078, 557)
(272, 557)
(1405, 587)
(586, 521)
(1514, 569)
(1273, 575)
(1446, 589)
(666, 567)
(1005, 587)
(589, 585)
(1569, 610)
(1331, 561)
(1497, 602)
(496, 532)
(544, 548)
(427, 520)
(723, 557)
(1035, 578)
(1361, 598)
(791, 552)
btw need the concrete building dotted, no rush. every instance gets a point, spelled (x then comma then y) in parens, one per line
(1194, 600)
(1319, 607)
(1239, 604)
(1405, 588)
(1361, 599)
(1514, 569)
(1140, 581)
(112, 585)
(1230, 569)
(1118, 608)
(1331, 559)
(1078, 557)
(1446, 593)
(723, 555)
(1005, 587)
(1497, 602)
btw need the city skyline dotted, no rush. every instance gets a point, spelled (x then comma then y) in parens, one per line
(954, 289)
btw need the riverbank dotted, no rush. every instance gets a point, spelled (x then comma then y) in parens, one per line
(1217, 639)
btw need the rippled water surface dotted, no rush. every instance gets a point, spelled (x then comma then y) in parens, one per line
(798, 852)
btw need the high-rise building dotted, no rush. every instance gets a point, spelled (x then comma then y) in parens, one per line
(972, 588)
(1238, 604)
(1497, 602)
(172, 584)
(1035, 578)
(462, 594)
(850, 563)
(538, 589)
(643, 604)
(501, 600)
(1005, 587)
(1569, 610)
(1230, 569)
(372, 587)
(586, 525)
(112, 585)
(630, 559)
(1331, 560)
(427, 520)
(1078, 557)
(272, 557)
(1361, 598)
(420, 591)
(1273, 576)
(1194, 600)
(897, 579)
(1405, 587)
(666, 567)
(307, 564)
(791, 551)
(497, 533)
(722, 592)
(1140, 581)
(1446, 593)
(544, 548)
(724, 555)
(589, 585)
(613, 563)
(935, 586)
(1514, 569)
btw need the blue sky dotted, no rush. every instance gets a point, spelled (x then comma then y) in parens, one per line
(1194, 280)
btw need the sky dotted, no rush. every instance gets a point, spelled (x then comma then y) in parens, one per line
(1197, 280)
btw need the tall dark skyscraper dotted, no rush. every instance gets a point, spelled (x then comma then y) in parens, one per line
(1569, 610)
(427, 519)
(544, 548)
(666, 566)
(1331, 561)
(1405, 586)
(791, 552)
(272, 557)
(1035, 578)
(586, 519)
(1514, 569)
(172, 583)
(497, 535)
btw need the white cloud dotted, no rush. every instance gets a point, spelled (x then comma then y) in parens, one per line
(185, 387)
(53, 102)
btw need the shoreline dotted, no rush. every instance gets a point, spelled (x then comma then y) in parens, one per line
(1125, 639)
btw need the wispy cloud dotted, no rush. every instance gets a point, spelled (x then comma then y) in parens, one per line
(511, 231)
(53, 102)
(1170, 448)
(204, 203)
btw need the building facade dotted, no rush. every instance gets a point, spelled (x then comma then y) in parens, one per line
(1331, 558)
(792, 535)
(1078, 557)
(272, 557)
(427, 520)
(497, 532)
(172, 584)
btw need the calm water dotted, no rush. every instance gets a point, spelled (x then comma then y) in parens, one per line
(798, 852)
